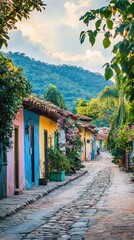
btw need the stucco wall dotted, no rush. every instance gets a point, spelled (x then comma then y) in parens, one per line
(83, 138)
(31, 118)
(50, 126)
(18, 122)
(88, 146)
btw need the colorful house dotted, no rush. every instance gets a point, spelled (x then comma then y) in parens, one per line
(87, 136)
(50, 133)
(101, 137)
(41, 121)
(35, 130)
(15, 157)
(48, 130)
(31, 148)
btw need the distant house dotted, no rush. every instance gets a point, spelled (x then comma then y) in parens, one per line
(100, 137)
(87, 136)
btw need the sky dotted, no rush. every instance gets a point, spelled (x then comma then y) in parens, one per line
(53, 36)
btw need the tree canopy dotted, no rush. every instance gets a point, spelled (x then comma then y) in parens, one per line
(113, 21)
(13, 86)
(12, 11)
(116, 22)
(101, 110)
(54, 96)
(71, 81)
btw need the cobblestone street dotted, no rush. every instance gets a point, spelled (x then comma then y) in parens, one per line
(98, 205)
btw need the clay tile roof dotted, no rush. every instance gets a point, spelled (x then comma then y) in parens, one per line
(43, 107)
(100, 136)
(89, 127)
(83, 118)
(36, 106)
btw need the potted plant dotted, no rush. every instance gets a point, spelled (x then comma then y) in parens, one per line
(57, 164)
(132, 162)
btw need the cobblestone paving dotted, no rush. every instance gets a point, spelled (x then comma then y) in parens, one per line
(97, 206)
(73, 220)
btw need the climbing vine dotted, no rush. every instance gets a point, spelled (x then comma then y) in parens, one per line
(73, 140)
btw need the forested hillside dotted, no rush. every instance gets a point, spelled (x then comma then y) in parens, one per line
(72, 82)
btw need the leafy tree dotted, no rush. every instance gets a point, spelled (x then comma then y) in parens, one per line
(101, 110)
(115, 19)
(66, 78)
(118, 95)
(81, 106)
(13, 87)
(13, 11)
(54, 96)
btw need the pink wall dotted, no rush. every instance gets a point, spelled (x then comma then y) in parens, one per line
(18, 122)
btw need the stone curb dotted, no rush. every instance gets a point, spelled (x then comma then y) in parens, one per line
(40, 195)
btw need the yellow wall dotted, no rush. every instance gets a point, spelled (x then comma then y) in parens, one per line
(87, 147)
(83, 138)
(50, 126)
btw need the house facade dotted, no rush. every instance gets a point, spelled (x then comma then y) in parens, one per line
(88, 138)
(36, 128)
(31, 148)
(100, 138)
(15, 157)
(48, 129)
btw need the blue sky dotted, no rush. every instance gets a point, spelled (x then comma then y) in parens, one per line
(53, 36)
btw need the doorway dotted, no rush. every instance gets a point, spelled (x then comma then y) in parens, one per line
(16, 157)
(46, 153)
(32, 153)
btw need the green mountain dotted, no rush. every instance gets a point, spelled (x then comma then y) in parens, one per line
(72, 82)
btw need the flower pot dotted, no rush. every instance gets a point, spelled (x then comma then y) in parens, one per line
(57, 176)
(120, 162)
(43, 181)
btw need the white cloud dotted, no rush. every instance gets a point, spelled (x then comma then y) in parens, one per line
(92, 56)
(56, 33)
(92, 60)
(74, 11)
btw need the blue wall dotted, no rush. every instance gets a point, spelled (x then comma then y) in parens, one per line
(31, 118)
(93, 147)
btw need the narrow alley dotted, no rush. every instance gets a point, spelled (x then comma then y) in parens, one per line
(98, 205)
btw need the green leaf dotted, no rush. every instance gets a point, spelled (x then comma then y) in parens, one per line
(92, 40)
(109, 24)
(120, 30)
(107, 34)
(106, 42)
(97, 24)
(116, 68)
(107, 13)
(82, 36)
(116, 47)
(108, 73)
